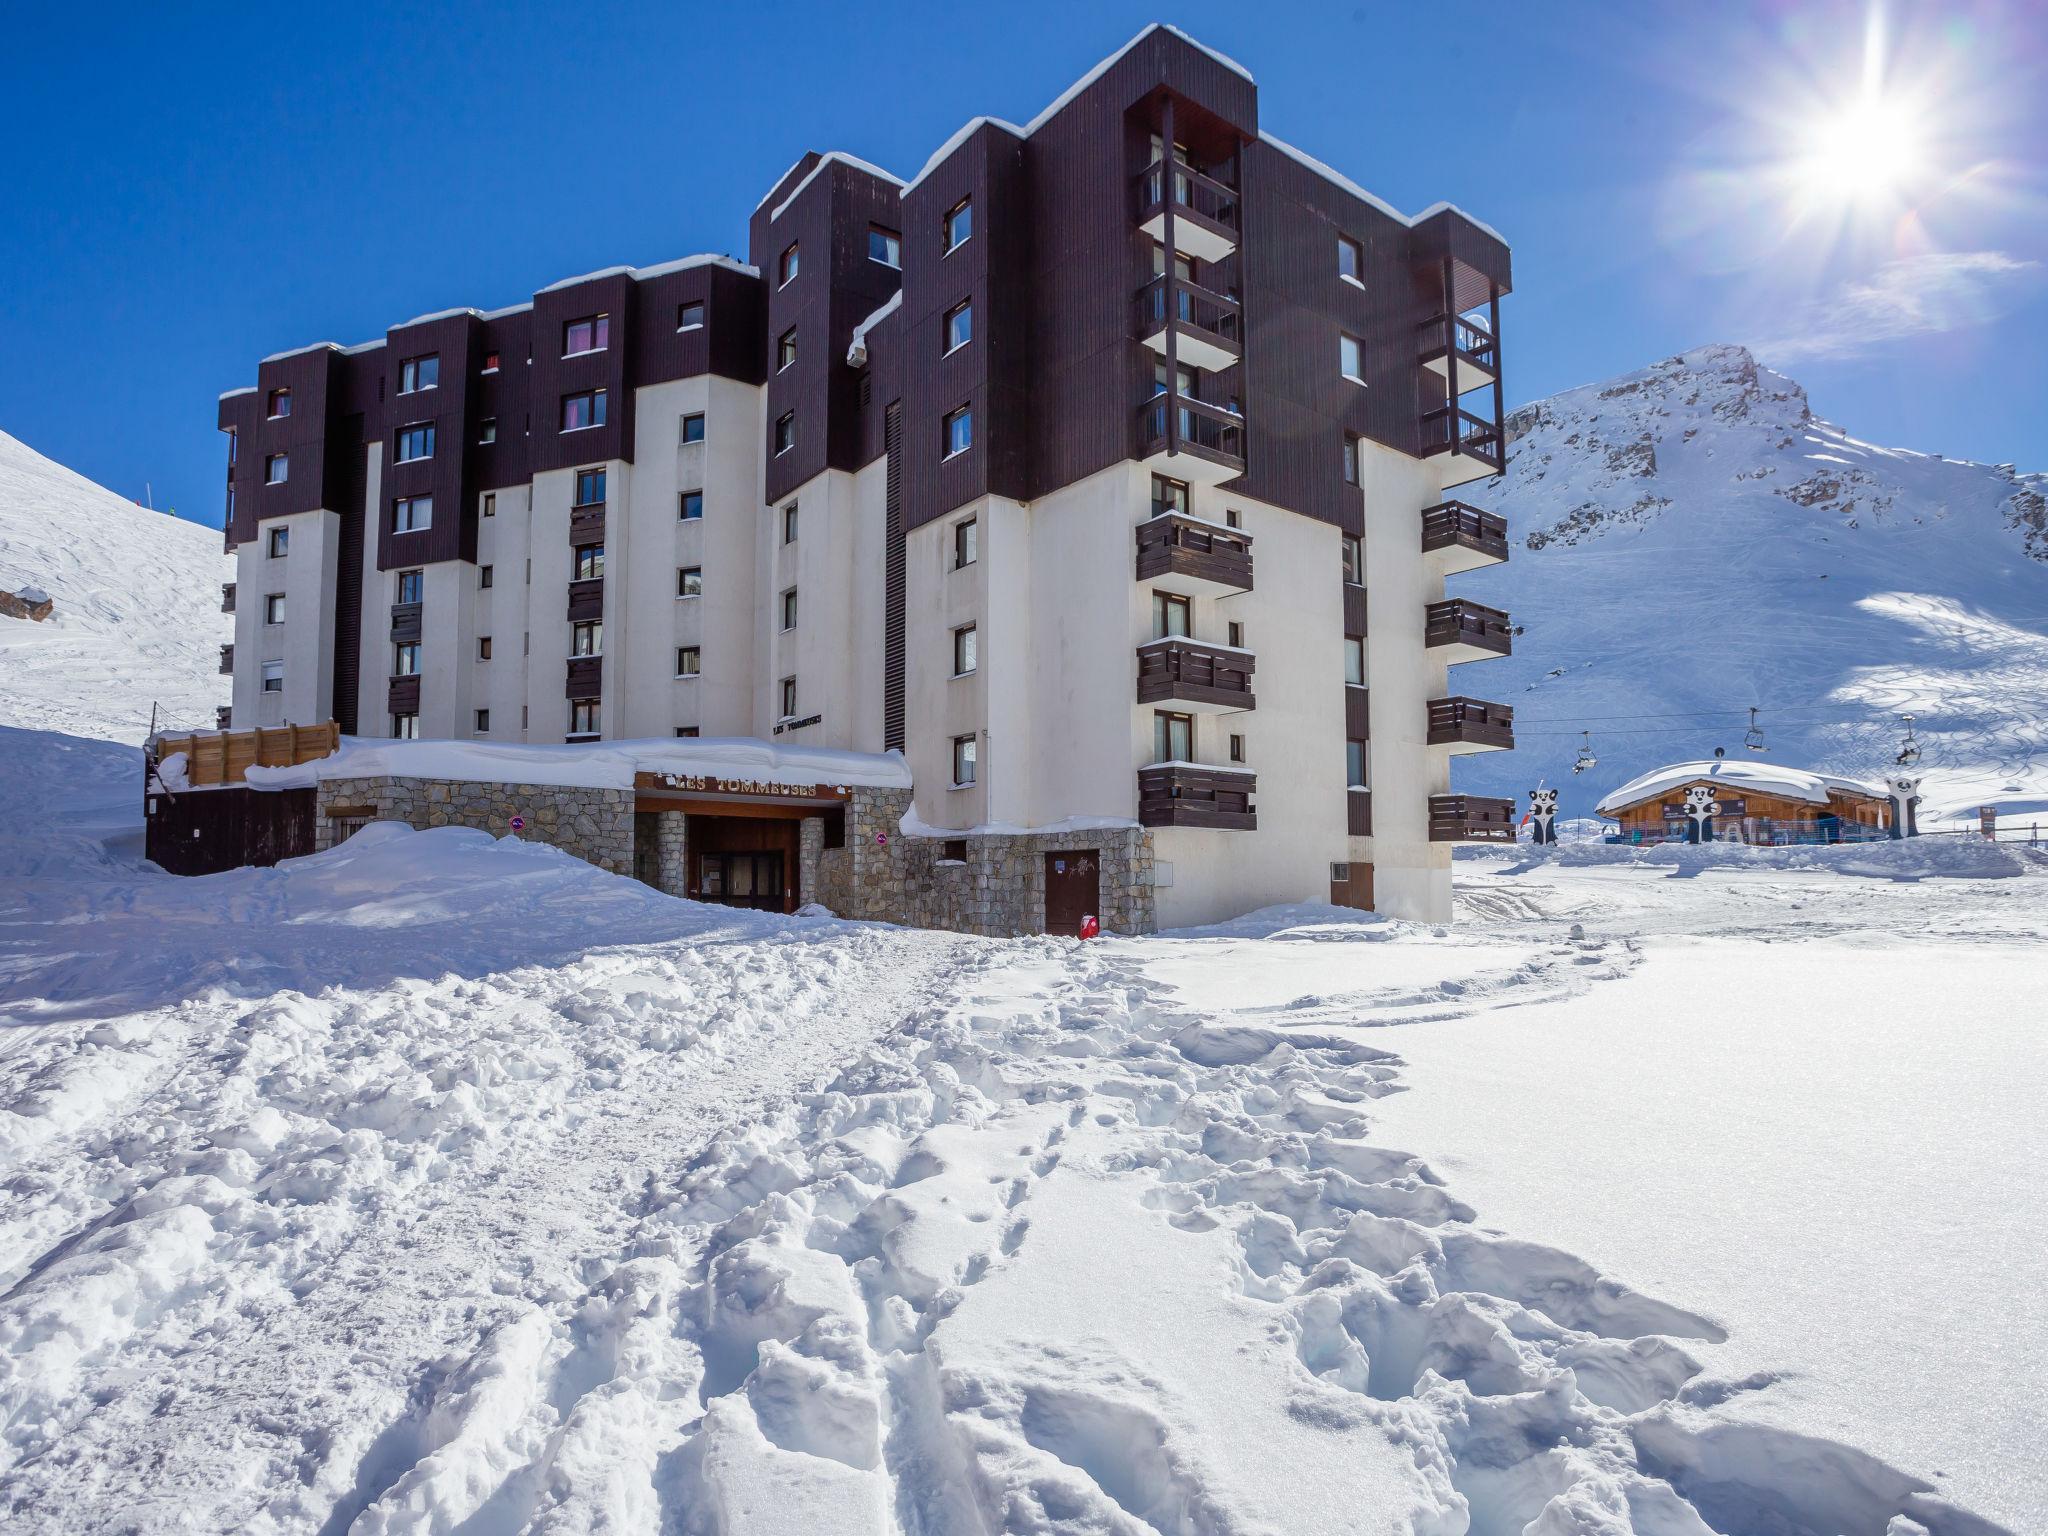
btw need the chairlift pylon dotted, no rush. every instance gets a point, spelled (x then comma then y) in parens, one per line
(1909, 749)
(1586, 759)
(1753, 738)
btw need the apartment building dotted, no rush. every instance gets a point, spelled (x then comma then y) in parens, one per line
(1103, 468)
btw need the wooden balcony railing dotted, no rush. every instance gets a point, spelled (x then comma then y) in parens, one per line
(227, 597)
(1454, 524)
(1188, 795)
(405, 621)
(1205, 430)
(1175, 544)
(1470, 819)
(1191, 672)
(1358, 812)
(586, 599)
(1450, 430)
(586, 524)
(1470, 722)
(227, 661)
(1474, 344)
(1216, 316)
(1195, 193)
(1460, 621)
(403, 695)
(586, 677)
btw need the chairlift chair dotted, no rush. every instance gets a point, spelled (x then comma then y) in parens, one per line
(1753, 738)
(1586, 759)
(1909, 749)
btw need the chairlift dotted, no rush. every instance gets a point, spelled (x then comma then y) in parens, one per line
(1753, 738)
(1586, 759)
(1909, 749)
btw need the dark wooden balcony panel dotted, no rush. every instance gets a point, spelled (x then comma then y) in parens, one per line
(586, 599)
(1354, 609)
(1455, 525)
(1209, 207)
(405, 621)
(1191, 672)
(586, 524)
(1471, 819)
(227, 597)
(1469, 626)
(1201, 431)
(403, 696)
(1358, 812)
(1450, 430)
(1190, 796)
(586, 677)
(1470, 722)
(227, 661)
(1209, 326)
(1178, 545)
(1357, 713)
(1477, 348)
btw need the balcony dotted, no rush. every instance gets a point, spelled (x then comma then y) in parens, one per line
(227, 597)
(227, 661)
(1471, 725)
(405, 621)
(1471, 444)
(1205, 211)
(1200, 678)
(586, 677)
(1202, 558)
(402, 697)
(1206, 443)
(1460, 351)
(1463, 537)
(586, 524)
(1466, 631)
(1358, 813)
(1194, 795)
(586, 599)
(1470, 819)
(1207, 327)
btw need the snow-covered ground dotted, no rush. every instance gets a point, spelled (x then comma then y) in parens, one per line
(441, 1184)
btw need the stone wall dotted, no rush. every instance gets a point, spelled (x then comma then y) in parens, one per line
(593, 824)
(672, 852)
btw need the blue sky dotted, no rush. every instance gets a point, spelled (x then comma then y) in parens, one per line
(184, 195)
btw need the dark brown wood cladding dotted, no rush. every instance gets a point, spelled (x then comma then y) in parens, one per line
(228, 828)
(586, 599)
(586, 677)
(1184, 795)
(1358, 814)
(402, 696)
(1471, 819)
(1196, 673)
(1451, 524)
(1459, 621)
(1354, 609)
(1473, 722)
(1357, 713)
(586, 525)
(454, 341)
(405, 622)
(1177, 545)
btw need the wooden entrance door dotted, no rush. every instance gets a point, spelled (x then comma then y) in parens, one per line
(741, 880)
(1073, 889)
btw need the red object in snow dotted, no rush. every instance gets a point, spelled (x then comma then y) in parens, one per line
(1089, 927)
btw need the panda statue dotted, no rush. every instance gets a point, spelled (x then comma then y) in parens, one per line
(1700, 810)
(1543, 815)
(1905, 795)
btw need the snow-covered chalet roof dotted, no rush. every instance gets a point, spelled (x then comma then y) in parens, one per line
(1759, 778)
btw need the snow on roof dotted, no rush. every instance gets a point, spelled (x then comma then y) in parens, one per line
(842, 158)
(1761, 778)
(246, 389)
(278, 357)
(661, 269)
(594, 765)
(857, 349)
(1337, 178)
(965, 132)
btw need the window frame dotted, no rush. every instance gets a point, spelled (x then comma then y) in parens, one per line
(789, 522)
(965, 308)
(1354, 649)
(483, 647)
(491, 361)
(960, 413)
(405, 658)
(966, 648)
(785, 433)
(594, 476)
(277, 469)
(406, 726)
(411, 505)
(600, 334)
(1354, 459)
(1164, 506)
(410, 369)
(267, 673)
(484, 577)
(1353, 546)
(277, 543)
(486, 431)
(949, 244)
(599, 409)
(689, 583)
(1346, 339)
(683, 320)
(694, 654)
(422, 430)
(787, 606)
(1164, 724)
(787, 697)
(966, 752)
(1358, 763)
(586, 639)
(591, 713)
(689, 506)
(683, 437)
(1164, 605)
(785, 350)
(591, 555)
(281, 396)
(788, 264)
(966, 543)
(892, 242)
(273, 608)
(490, 508)
(482, 726)
(415, 577)
(1356, 250)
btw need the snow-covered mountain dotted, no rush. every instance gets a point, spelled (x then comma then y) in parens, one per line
(137, 619)
(1692, 538)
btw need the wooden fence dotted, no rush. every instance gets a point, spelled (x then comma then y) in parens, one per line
(221, 757)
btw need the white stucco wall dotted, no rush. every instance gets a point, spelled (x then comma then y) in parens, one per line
(304, 642)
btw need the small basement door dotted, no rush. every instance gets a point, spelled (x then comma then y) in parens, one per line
(1073, 889)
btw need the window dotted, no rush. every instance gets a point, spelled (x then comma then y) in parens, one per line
(589, 487)
(785, 432)
(1351, 458)
(593, 333)
(1168, 496)
(1172, 614)
(1350, 259)
(789, 698)
(410, 585)
(1236, 632)
(586, 717)
(483, 576)
(690, 316)
(273, 677)
(693, 428)
(959, 325)
(280, 542)
(689, 660)
(1236, 748)
(419, 373)
(690, 506)
(405, 727)
(405, 659)
(585, 409)
(963, 761)
(483, 722)
(789, 609)
(787, 267)
(959, 431)
(1351, 358)
(411, 514)
(280, 403)
(1173, 737)
(963, 650)
(483, 647)
(955, 849)
(785, 349)
(1354, 559)
(277, 469)
(966, 543)
(1354, 660)
(959, 223)
(414, 442)
(789, 523)
(490, 362)
(487, 430)
(490, 503)
(273, 608)
(587, 638)
(690, 581)
(686, 730)
(885, 246)
(1357, 765)
(589, 562)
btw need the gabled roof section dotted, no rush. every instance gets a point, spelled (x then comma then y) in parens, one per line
(1730, 775)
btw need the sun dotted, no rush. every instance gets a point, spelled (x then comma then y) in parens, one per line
(1870, 151)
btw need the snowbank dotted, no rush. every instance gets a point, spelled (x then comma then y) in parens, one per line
(1737, 773)
(1912, 858)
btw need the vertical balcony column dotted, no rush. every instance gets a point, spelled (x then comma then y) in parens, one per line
(1451, 347)
(1166, 172)
(1500, 417)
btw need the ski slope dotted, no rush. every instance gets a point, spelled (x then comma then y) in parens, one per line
(137, 620)
(1691, 538)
